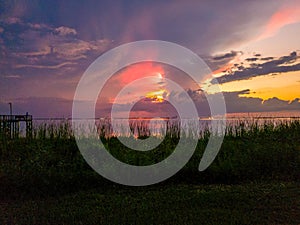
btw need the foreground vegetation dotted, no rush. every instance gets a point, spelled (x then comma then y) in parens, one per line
(251, 203)
(255, 179)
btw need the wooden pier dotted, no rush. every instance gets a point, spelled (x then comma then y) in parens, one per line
(10, 125)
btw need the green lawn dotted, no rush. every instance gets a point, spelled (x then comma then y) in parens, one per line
(250, 203)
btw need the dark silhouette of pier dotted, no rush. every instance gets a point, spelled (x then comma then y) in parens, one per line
(10, 125)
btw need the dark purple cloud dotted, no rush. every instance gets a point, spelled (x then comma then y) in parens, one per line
(229, 55)
(220, 61)
(283, 64)
(236, 103)
(267, 58)
(252, 59)
(40, 60)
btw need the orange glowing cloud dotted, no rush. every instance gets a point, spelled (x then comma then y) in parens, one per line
(157, 96)
(284, 16)
(224, 68)
(130, 74)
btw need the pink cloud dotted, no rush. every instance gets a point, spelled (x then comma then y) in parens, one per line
(284, 16)
(139, 70)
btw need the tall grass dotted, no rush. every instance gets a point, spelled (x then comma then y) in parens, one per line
(250, 151)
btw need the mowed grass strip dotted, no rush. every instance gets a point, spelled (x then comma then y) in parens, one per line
(251, 203)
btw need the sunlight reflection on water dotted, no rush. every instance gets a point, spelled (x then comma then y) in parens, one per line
(143, 126)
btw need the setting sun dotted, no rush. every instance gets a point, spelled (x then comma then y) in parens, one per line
(157, 96)
(159, 75)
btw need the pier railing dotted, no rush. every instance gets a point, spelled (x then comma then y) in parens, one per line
(10, 125)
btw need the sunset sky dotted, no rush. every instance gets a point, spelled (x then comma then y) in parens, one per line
(251, 47)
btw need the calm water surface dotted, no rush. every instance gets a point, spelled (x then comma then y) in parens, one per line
(157, 126)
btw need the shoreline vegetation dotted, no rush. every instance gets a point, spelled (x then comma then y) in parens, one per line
(254, 179)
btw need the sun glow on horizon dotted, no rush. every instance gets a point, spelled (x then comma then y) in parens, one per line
(157, 96)
(285, 86)
(159, 75)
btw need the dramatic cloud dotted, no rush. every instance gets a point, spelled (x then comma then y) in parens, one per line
(45, 46)
(43, 56)
(28, 41)
(229, 55)
(235, 103)
(280, 65)
(222, 62)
